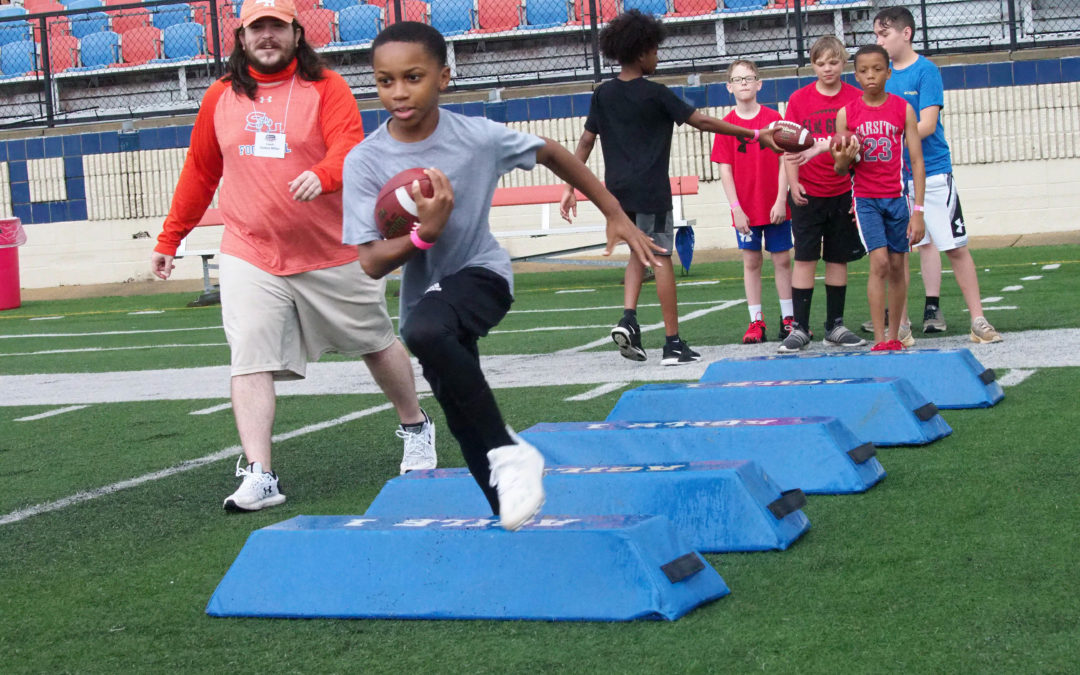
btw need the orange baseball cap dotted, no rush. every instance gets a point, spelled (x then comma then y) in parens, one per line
(254, 10)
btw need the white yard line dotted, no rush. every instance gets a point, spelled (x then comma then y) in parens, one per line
(1034, 277)
(50, 413)
(992, 298)
(45, 352)
(45, 318)
(212, 409)
(1051, 266)
(1012, 288)
(231, 451)
(1015, 376)
(109, 332)
(596, 392)
(576, 290)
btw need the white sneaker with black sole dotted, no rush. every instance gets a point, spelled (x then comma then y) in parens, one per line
(258, 489)
(517, 474)
(419, 447)
(840, 336)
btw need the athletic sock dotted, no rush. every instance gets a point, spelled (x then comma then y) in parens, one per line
(933, 300)
(673, 339)
(800, 298)
(786, 308)
(629, 314)
(415, 428)
(755, 312)
(835, 296)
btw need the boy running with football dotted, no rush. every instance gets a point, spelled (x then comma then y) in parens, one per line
(457, 281)
(756, 188)
(882, 124)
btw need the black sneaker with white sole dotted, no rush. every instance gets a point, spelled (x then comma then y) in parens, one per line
(796, 340)
(678, 353)
(840, 336)
(627, 336)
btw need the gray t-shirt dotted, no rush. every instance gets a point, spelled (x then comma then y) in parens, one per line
(473, 152)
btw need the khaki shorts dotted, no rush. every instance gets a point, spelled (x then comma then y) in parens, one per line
(278, 323)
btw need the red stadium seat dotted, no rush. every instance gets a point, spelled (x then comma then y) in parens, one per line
(139, 45)
(608, 11)
(124, 20)
(318, 26)
(63, 53)
(497, 15)
(414, 10)
(694, 7)
(227, 31)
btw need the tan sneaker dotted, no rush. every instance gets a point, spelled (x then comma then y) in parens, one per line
(983, 332)
(905, 336)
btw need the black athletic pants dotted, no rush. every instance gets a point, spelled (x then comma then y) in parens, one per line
(442, 332)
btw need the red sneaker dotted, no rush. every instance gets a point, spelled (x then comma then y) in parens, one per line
(755, 333)
(785, 327)
(888, 346)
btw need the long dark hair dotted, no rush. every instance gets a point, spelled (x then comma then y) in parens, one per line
(309, 64)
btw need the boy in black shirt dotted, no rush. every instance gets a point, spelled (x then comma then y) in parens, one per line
(634, 116)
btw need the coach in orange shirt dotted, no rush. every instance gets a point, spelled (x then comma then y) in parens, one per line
(274, 133)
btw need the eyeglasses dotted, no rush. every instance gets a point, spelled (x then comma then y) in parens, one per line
(748, 79)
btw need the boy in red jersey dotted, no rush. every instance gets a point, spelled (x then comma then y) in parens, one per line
(821, 220)
(883, 123)
(756, 188)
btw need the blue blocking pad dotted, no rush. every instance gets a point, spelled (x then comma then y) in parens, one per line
(881, 410)
(950, 378)
(818, 455)
(716, 506)
(584, 568)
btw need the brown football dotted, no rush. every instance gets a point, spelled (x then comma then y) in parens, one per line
(840, 139)
(791, 137)
(395, 209)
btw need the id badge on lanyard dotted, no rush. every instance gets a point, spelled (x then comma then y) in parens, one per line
(269, 145)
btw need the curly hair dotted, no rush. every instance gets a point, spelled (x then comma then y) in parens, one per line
(309, 65)
(867, 50)
(630, 35)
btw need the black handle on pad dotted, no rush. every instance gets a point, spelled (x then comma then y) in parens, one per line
(926, 412)
(789, 502)
(862, 453)
(682, 567)
(987, 376)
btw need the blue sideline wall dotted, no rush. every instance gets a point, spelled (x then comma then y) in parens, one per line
(90, 200)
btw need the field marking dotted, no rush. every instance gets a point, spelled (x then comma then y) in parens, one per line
(146, 311)
(650, 327)
(45, 318)
(188, 465)
(542, 329)
(78, 350)
(50, 413)
(993, 298)
(1051, 266)
(1015, 376)
(697, 283)
(596, 392)
(1012, 288)
(994, 308)
(109, 332)
(211, 409)
(1034, 277)
(576, 290)
(618, 307)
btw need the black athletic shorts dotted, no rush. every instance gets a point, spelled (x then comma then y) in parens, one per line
(825, 229)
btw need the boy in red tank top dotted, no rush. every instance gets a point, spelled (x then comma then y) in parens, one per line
(883, 123)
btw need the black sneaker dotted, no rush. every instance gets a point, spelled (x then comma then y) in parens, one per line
(678, 353)
(796, 340)
(627, 335)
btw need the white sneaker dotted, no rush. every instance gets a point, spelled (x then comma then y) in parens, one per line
(257, 491)
(419, 447)
(517, 474)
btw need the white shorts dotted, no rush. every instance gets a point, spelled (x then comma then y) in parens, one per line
(942, 213)
(278, 323)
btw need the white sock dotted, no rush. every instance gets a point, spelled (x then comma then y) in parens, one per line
(787, 307)
(755, 312)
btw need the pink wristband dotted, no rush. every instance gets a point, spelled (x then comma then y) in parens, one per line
(417, 241)
(757, 134)
(917, 207)
(734, 204)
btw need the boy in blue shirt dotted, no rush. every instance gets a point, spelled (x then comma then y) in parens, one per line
(457, 281)
(918, 80)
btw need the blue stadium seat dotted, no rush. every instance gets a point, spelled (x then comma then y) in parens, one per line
(359, 24)
(654, 7)
(547, 13)
(15, 31)
(84, 4)
(183, 41)
(452, 17)
(100, 50)
(170, 15)
(339, 5)
(18, 58)
(743, 5)
(12, 10)
(85, 24)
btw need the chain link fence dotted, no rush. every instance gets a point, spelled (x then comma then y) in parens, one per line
(89, 60)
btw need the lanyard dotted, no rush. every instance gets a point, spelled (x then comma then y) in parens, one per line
(288, 100)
